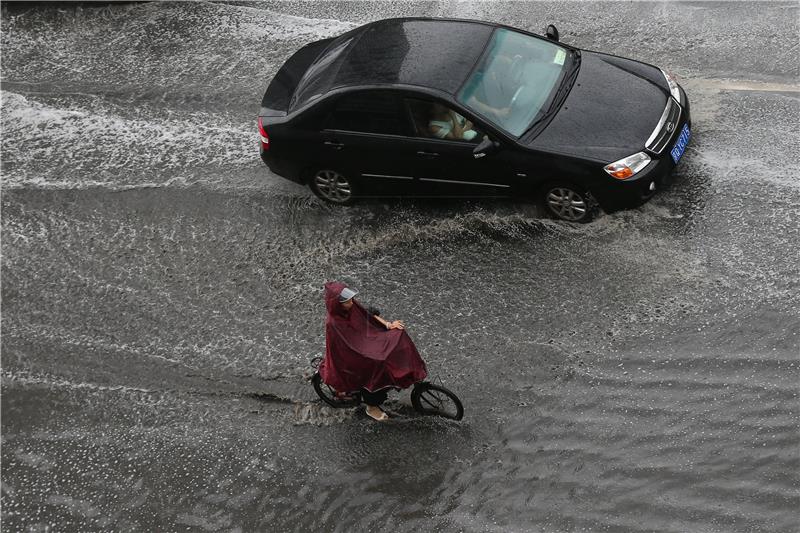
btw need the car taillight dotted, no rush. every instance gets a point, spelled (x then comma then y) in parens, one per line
(263, 134)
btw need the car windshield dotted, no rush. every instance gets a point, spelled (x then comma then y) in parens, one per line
(514, 80)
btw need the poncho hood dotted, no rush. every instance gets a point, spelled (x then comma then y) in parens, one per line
(332, 291)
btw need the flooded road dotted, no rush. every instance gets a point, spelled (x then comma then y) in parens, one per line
(162, 294)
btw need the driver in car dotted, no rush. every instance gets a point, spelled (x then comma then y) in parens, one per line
(495, 92)
(501, 84)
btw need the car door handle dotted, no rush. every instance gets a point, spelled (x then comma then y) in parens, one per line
(427, 154)
(335, 145)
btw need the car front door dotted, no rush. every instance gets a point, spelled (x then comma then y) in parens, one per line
(444, 162)
(366, 136)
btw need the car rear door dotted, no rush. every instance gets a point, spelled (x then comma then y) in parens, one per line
(366, 137)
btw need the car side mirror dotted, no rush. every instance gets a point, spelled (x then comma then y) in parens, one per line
(551, 32)
(485, 147)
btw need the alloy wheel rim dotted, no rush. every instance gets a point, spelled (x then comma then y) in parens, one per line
(332, 186)
(567, 204)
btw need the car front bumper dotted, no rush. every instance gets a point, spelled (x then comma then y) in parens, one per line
(621, 194)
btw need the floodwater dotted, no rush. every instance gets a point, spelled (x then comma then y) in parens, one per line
(161, 294)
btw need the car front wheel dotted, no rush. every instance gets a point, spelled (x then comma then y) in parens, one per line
(332, 186)
(566, 201)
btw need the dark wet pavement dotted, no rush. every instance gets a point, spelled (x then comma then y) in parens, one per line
(162, 295)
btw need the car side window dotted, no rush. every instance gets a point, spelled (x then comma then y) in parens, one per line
(368, 112)
(434, 120)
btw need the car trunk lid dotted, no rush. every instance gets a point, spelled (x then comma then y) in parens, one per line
(279, 92)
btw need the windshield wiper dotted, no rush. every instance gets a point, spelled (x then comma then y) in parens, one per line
(566, 85)
(561, 93)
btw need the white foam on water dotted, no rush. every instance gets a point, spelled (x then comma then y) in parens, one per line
(732, 167)
(260, 23)
(727, 84)
(318, 258)
(24, 377)
(49, 146)
(317, 414)
(198, 35)
(67, 338)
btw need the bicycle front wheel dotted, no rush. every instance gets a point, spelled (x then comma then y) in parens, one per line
(430, 399)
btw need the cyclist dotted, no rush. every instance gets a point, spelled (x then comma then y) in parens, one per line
(364, 352)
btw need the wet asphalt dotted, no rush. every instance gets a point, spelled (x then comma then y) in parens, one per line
(162, 294)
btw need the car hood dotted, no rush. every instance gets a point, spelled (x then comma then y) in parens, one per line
(610, 112)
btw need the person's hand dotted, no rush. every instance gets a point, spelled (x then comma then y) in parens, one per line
(458, 129)
(397, 324)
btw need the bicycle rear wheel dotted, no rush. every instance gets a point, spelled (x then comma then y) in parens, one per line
(331, 396)
(430, 399)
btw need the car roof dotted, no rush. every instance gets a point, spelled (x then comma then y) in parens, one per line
(433, 53)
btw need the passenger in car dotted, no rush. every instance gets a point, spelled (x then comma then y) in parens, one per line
(447, 124)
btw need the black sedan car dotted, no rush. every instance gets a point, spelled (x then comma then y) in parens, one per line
(418, 106)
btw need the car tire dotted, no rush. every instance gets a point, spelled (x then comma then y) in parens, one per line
(567, 201)
(332, 186)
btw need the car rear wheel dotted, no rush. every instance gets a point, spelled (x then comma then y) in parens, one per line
(333, 187)
(567, 201)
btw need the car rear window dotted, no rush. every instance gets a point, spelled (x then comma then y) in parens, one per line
(319, 76)
(368, 112)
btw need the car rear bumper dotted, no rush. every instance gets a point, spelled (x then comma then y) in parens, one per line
(617, 194)
(282, 167)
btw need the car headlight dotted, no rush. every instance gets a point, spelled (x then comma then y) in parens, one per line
(674, 89)
(629, 166)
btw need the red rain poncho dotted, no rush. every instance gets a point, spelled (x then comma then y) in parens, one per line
(361, 353)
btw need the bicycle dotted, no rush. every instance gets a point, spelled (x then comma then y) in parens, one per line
(426, 397)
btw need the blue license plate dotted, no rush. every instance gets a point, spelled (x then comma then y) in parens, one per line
(680, 144)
